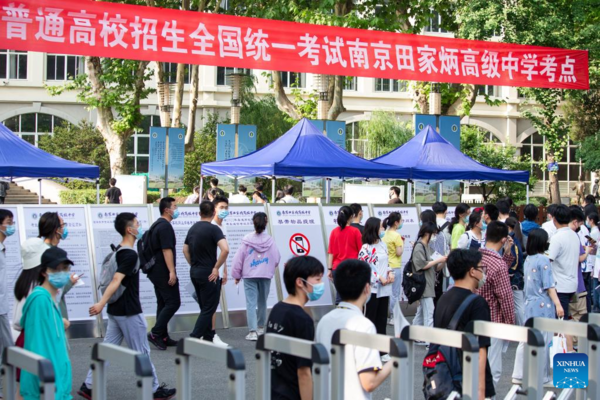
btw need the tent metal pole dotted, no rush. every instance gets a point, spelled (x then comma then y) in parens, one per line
(409, 194)
(97, 191)
(328, 190)
(40, 192)
(201, 188)
(527, 193)
(273, 184)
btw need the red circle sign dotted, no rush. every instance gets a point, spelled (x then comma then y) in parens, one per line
(299, 245)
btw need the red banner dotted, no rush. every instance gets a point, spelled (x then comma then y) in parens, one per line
(146, 33)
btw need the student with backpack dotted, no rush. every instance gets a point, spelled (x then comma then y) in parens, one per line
(459, 223)
(456, 308)
(120, 287)
(473, 238)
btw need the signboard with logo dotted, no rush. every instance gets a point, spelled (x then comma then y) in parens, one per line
(336, 131)
(176, 157)
(410, 227)
(14, 265)
(422, 120)
(158, 160)
(80, 298)
(298, 232)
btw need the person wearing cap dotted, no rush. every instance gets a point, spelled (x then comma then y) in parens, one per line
(44, 326)
(7, 228)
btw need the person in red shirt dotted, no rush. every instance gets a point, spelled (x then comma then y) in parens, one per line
(345, 241)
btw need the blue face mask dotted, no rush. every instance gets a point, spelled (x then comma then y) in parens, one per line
(10, 230)
(381, 234)
(65, 233)
(588, 225)
(484, 227)
(140, 233)
(223, 214)
(318, 290)
(400, 226)
(59, 279)
(466, 219)
(176, 214)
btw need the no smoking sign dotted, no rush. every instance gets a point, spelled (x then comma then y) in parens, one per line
(299, 245)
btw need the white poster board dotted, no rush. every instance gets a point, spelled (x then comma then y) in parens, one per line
(297, 231)
(449, 214)
(368, 193)
(134, 189)
(410, 228)
(104, 234)
(330, 214)
(14, 263)
(188, 216)
(238, 224)
(80, 298)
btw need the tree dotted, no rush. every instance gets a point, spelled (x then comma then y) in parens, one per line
(82, 143)
(205, 150)
(384, 133)
(270, 121)
(589, 152)
(472, 143)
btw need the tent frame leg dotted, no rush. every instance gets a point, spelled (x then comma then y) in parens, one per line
(40, 191)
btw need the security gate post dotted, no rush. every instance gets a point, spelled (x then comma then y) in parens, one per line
(263, 372)
(534, 364)
(470, 348)
(338, 362)
(184, 382)
(144, 388)
(9, 383)
(402, 388)
(98, 378)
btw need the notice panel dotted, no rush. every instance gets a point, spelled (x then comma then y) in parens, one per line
(298, 232)
(410, 229)
(80, 298)
(13, 258)
(330, 214)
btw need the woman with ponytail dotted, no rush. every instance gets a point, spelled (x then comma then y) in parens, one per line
(345, 241)
(458, 224)
(395, 246)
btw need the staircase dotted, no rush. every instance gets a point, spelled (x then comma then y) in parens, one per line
(17, 195)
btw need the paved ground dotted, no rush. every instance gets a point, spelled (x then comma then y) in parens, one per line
(209, 382)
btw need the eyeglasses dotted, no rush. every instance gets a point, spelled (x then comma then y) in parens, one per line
(482, 269)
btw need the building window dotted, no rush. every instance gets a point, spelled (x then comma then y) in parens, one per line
(170, 70)
(492, 91)
(61, 67)
(223, 72)
(13, 64)
(30, 126)
(138, 146)
(350, 83)
(293, 79)
(356, 140)
(390, 85)
(435, 24)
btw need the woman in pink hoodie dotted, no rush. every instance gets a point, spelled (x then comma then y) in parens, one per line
(255, 263)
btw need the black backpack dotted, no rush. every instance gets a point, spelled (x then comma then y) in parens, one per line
(145, 252)
(442, 366)
(413, 283)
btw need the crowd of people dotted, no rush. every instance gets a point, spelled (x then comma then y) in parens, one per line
(517, 270)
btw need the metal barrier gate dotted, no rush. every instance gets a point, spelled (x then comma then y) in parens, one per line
(396, 348)
(315, 352)
(231, 358)
(534, 349)
(15, 357)
(103, 353)
(464, 341)
(589, 340)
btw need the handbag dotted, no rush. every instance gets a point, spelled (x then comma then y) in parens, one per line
(413, 283)
(559, 346)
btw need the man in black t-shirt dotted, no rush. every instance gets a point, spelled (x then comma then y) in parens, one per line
(291, 377)
(200, 251)
(125, 317)
(113, 194)
(214, 185)
(357, 217)
(468, 273)
(163, 275)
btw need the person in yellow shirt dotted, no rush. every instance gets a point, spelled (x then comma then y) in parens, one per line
(458, 224)
(395, 245)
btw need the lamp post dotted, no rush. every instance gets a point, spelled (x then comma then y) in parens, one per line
(236, 86)
(435, 99)
(165, 90)
(322, 84)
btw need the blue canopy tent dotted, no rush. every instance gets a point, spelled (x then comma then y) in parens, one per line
(303, 151)
(19, 158)
(429, 156)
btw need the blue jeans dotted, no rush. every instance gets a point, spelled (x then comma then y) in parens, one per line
(396, 290)
(257, 292)
(596, 295)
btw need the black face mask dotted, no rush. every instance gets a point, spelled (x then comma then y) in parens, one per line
(578, 229)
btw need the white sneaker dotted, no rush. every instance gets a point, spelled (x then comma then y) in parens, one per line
(252, 336)
(261, 331)
(217, 340)
(385, 358)
(390, 321)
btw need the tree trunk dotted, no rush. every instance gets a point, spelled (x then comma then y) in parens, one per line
(115, 145)
(458, 107)
(281, 98)
(336, 106)
(554, 189)
(191, 126)
(161, 88)
(178, 96)
(421, 100)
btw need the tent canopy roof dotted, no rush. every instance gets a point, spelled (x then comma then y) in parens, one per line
(19, 158)
(429, 156)
(303, 151)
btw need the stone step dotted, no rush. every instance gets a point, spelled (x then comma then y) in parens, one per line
(19, 195)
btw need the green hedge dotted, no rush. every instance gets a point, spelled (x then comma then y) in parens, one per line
(88, 196)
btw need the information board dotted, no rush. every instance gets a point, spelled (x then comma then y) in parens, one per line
(330, 214)
(80, 298)
(238, 224)
(176, 157)
(158, 148)
(297, 231)
(425, 192)
(104, 234)
(13, 259)
(449, 214)
(410, 227)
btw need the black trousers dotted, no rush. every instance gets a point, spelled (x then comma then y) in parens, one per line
(208, 294)
(168, 301)
(377, 312)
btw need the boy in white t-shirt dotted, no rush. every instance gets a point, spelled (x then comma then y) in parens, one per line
(363, 370)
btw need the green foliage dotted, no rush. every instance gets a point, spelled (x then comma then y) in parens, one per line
(305, 102)
(82, 196)
(472, 143)
(205, 150)
(589, 151)
(152, 197)
(271, 123)
(82, 143)
(385, 133)
(583, 114)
